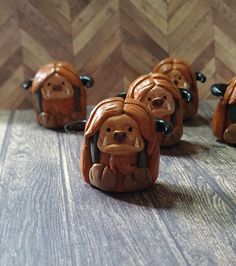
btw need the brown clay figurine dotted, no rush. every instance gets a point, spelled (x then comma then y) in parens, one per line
(163, 98)
(120, 151)
(224, 120)
(58, 94)
(182, 75)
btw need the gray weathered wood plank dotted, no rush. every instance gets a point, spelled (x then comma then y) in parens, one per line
(5, 125)
(34, 225)
(4, 117)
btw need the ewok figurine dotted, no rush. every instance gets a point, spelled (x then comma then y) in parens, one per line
(224, 120)
(163, 99)
(182, 75)
(58, 94)
(120, 151)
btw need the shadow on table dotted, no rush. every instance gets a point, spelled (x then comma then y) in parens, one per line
(27, 119)
(197, 121)
(159, 196)
(223, 143)
(184, 149)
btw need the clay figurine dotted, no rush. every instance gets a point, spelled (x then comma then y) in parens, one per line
(120, 151)
(224, 120)
(58, 94)
(163, 98)
(182, 75)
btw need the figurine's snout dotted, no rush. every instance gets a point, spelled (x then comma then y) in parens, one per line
(157, 102)
(119, 136)
(57, 88)
(175, 81)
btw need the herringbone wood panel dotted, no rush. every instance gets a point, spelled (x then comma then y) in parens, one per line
(113, 40)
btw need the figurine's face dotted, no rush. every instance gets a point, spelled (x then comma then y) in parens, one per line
(178, 79)
(160, 102)
(119, 135)
(57, 87)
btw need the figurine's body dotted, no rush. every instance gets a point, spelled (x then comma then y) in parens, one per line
(224, 120)
(182, 75)
(120, 152)
(58, 95)
(163, 98)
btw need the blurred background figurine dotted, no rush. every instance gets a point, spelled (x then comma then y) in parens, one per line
(58, 94)
(163, 98)
(182, 75)
(224, 120)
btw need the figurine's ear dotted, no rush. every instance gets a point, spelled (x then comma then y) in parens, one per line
(75, 127)
(94, 148)
(122, 94)
(218, 89)
(200, 77)
(77, 99)
(142, 157)
(164, 127)
(87, 81)
(27, 84)
(186, 95)
(38, 101)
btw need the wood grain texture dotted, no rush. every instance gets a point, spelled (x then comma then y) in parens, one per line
(48, 216)
(114, 41)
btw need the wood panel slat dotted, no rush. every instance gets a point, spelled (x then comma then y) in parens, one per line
(86, 33)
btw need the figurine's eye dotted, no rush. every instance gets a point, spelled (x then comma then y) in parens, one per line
(149, 99)
(180, 77)
(130, 129)
(49, 84)
(164, 97)
(63, 83)
(108, 129)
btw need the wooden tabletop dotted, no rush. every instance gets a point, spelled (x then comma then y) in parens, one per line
(48, 216)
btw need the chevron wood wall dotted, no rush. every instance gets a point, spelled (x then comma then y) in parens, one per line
(113, 40)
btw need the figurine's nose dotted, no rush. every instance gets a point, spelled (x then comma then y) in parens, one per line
(57, 87)
(119, 136)
(175, 81)
(157, 102)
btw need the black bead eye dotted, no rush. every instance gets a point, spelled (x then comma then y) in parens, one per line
(108, 129)
(149, 99)
(62, 83)
(180, 77)
(130, 129)
(49, 84)
(164, 97)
